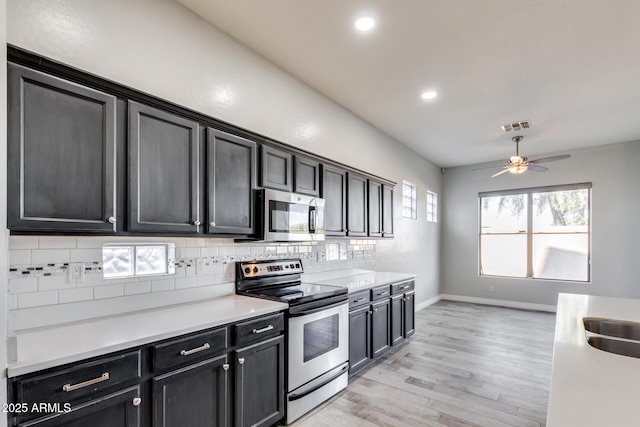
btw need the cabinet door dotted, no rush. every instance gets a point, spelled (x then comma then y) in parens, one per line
(357, 205)
(306, 176)
(231, 179)
(193, 396)
(397, 319)
(409, 314)
(163, 171)
(277, 169)
(119, 409)
(334, 191)
(259, 381)
(375, 209)
(359, 338)
(380, 337)
(387, 211)
(61, 154)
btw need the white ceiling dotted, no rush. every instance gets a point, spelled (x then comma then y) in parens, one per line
(571, 67)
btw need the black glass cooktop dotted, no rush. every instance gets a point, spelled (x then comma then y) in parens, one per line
(298, 293)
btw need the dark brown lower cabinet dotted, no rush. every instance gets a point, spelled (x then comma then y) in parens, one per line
(119, 409)
(259, 391)
(196, 395)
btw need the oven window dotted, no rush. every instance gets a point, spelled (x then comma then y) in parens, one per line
(320, 337)
(288, 217)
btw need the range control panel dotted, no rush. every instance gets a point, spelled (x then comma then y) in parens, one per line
(271, 268)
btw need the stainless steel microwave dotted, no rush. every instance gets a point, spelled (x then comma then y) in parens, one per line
(290, 217)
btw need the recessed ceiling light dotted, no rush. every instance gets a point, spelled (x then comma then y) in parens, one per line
(365, 23)
(429, 94)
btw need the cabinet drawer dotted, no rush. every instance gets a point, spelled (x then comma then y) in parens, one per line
(402, 287)
(359, 299)
(79, 381)
(187, 350)
(380, 292)
(258, 329)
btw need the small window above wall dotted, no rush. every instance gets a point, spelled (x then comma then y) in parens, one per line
(138, 259)
(432, 206)
(409, 200)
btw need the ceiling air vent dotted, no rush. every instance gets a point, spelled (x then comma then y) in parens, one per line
(525, 124)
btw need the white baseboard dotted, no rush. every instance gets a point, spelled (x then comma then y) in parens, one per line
(428, 302)
(497, 302)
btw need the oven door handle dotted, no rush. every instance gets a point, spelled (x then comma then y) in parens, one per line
(298, 313)
(342, 370)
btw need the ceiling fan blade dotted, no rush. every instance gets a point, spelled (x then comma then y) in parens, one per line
(537, 168)
(488, 167)
(499, 173)
(550, 159)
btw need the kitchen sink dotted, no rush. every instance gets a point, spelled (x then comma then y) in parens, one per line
(612, 328)
(624, 348)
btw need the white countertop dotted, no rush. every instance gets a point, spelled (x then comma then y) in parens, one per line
(590, 387)
(357, 280)
(44, 348)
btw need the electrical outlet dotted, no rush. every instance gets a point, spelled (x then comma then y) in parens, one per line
(492, 288)
(200, 266)
(76, 272)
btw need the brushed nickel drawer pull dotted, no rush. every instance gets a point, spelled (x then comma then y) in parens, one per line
(359, 300)
(265, 329)
(405, 287)
(381, 293)
(69, 387)
(206, 346)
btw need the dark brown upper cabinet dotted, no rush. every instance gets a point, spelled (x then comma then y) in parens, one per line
(356, 205)
(375, 209)
(306, 176)
(334, 191)
(163, 171)
(61, 155)
(277, 169)
(387, 210)
(231, 179)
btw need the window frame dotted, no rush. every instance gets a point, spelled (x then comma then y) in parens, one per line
(413, 197)
(529, 192)
(432, 206)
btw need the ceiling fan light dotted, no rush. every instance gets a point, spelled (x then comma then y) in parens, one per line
(517, 169)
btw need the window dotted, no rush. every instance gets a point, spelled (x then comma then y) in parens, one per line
(409, 200)
(539, 233)
(137, 259)
(432, 206)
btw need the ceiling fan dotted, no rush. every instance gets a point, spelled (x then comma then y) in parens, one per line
(518, 164)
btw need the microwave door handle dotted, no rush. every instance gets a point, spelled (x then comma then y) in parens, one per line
(312, 219)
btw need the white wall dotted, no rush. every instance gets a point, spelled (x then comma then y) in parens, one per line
(164, 49)
(614, 172)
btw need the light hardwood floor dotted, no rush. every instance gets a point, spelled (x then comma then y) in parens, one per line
(467, 365)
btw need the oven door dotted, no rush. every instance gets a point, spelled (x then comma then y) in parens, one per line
(318, 342)
(292, 217)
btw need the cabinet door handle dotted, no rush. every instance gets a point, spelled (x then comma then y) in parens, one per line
(405, 287)
(212, 223)
(359, 300)
(196, 223)
(381, 293)
(241, 360)
(112, 219)
(225, 367)
(205, 346)
(375, 309)
(101, 378)
(265, 329)
(137, 401)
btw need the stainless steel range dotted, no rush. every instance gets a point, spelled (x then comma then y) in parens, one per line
(318, 330)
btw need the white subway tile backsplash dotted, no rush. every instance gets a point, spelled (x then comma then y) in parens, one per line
(91, 242)
(75, 295)
(37, 299)
(162, 285)
(205, 280)
(85, 255)
(137, 288)
(20, 285)
(49, 256)
(54, 283)
(227, 251)
(187, 282)
(19, 257)
(257, 250)
(23, 242)
(209, 251)
(110, 291)
(243, 250)
(56, 242)
(188, 253)
(13, 302)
